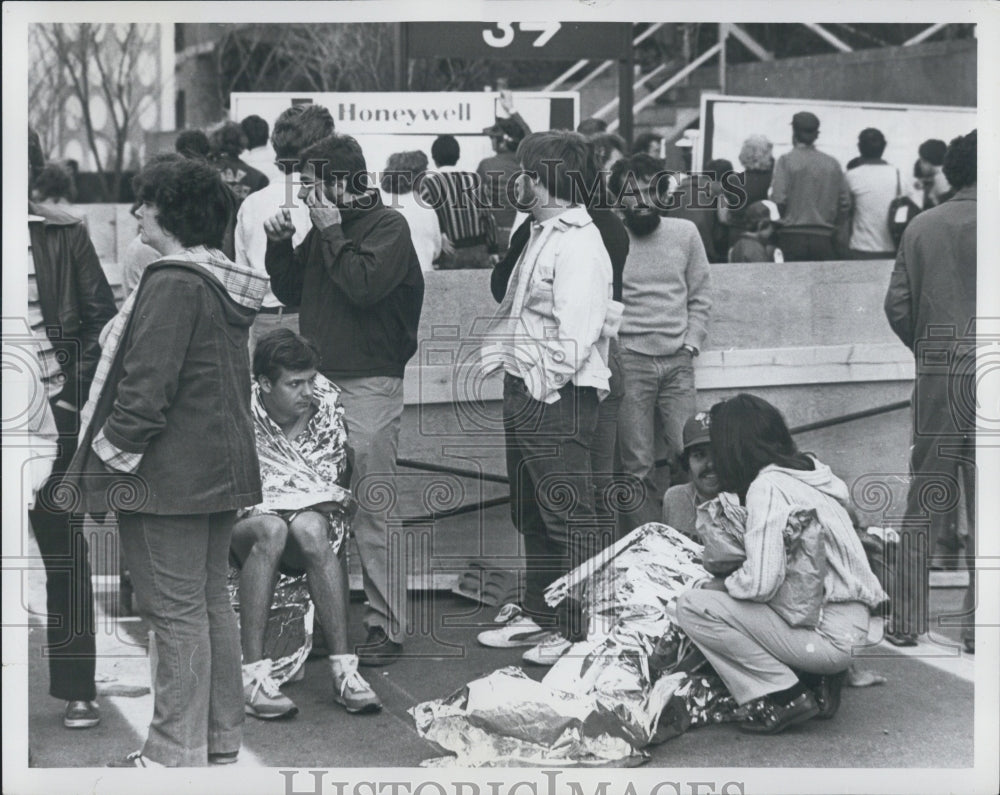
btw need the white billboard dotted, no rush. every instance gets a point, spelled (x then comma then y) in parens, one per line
(388, 122)
(727, 121)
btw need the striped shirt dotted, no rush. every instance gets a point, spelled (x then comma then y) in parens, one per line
(773, 494)
(454, 196)
(50, 372)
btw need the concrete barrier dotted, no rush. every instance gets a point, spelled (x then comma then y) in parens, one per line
(809, 337)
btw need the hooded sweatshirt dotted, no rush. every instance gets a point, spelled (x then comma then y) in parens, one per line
(773, 494)
(167, 429)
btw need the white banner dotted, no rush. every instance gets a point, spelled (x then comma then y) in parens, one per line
(387, 122)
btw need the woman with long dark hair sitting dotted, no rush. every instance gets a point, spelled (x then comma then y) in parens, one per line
(793, 673)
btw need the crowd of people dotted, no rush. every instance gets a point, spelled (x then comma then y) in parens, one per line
(243, 405)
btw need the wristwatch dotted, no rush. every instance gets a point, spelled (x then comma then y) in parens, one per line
(690, 349)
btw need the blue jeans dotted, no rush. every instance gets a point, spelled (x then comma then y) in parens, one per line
(179, 566)
(551, 487)
(654, 385)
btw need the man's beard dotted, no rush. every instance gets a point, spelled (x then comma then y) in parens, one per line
(641, 221)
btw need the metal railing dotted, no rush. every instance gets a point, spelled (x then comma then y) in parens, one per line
(651, 97)
(493, 502)
(603, 67)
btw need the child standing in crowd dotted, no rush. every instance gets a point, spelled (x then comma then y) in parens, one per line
(754, 244)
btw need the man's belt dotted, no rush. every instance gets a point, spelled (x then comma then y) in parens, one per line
(279, 310)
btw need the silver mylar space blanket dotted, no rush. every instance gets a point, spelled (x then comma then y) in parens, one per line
(610, 695)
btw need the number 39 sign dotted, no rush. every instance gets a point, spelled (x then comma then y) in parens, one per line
(520, 40)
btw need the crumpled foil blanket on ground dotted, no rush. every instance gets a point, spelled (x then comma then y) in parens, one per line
(602, 702)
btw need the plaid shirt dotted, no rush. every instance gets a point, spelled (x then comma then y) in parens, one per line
(244, 286)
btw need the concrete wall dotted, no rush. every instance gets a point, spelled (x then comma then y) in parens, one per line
(935, 73)
(809, 337)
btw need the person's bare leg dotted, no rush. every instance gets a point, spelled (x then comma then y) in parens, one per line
(258, 542)
(326, 576)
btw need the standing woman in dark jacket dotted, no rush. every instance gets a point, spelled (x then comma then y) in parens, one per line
(167, 441)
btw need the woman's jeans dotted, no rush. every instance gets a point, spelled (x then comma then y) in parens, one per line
(179, 567)
(754, 649)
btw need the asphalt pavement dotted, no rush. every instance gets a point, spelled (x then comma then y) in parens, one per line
(921, 717)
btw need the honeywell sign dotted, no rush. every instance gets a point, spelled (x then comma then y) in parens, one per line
(388, 122)
(378, 113)
(434, 113)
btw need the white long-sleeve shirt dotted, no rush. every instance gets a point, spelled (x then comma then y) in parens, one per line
(250, 238)
(555, 321)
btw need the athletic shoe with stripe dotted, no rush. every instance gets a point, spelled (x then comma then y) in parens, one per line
(516, 630)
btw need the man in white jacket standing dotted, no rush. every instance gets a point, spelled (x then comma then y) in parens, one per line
(550, 336)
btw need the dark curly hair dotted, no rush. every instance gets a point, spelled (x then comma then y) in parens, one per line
(960, 161)
(192, 143)
(283, 349)
(338, 157)
(640, 166)
(192, 203)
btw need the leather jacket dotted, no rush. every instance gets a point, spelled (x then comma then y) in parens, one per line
(74, 294)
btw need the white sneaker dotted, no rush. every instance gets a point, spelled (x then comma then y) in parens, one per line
(517, 630)
(551, 648)
(262, 697)
(350, 690)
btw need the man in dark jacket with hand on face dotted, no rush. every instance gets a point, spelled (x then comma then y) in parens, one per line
(357, 280)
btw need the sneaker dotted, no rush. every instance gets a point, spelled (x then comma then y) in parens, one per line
(135, 759)
(551, 648)
(517, 630)
(378, 650)
(350, 690)
(769, 717)
(224, 758)
(262, 697)
(81, 715)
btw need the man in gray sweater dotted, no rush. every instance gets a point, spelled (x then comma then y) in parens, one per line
(665, 289)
